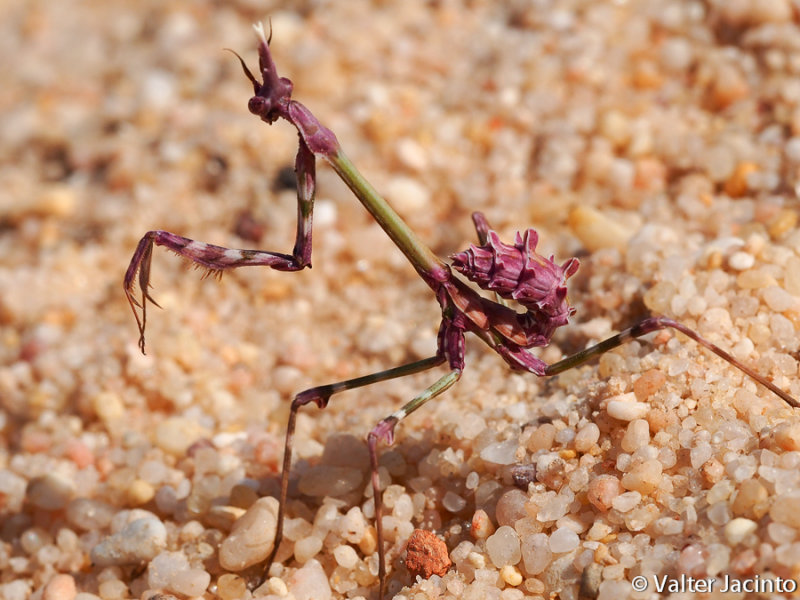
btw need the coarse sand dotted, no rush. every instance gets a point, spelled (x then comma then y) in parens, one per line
(656, 140)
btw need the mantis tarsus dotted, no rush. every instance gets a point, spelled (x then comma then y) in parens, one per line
(512, 271)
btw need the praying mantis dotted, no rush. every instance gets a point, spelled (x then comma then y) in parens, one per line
(513, 272)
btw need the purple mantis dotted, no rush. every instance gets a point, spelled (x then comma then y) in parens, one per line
(512, 271)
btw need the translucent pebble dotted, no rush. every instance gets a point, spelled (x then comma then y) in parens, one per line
(353, 525)
(12, 487)
(542, 438)
(780, 533)
(636, 435)
(482, 526)
(676, 53)
(174, 435)
(329, 480)
(613, 590)
(511, 576)
(741, 261)
(251, 537)
(602, 491)
(307, 548)
(778, 299)
(738, 529)
(720, 491)
(565, 436)
(784, 509)
(788, 554)
(48, 554)
(501, 453)
(587, 437)
(563, 539)
(719, 513)
(403, 508)
(310, 582)
(137, 542)
(503, 547)
(553, 508)
(295, 529)
(453, 502)
(153, 471)
(700, 454)
(50, 492)
(667, 526)
(67, 540)
(511, 507)
(166, 499)
(345, 556)
(277, 587)
(643, 477)
(626, 408)
(164, 566)
(15, 590)
(470, 426)
(719, 556)
(231, 587)
(627, 501)
(34, 538)
(407, 194)
(60, 587)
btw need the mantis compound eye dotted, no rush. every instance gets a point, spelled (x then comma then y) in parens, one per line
(260, 106)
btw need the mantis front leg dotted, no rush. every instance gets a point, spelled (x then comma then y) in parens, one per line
(217, 258)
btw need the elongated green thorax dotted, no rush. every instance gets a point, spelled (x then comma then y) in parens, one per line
(427, 264)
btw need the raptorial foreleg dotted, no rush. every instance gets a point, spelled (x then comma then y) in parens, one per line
(216, 259)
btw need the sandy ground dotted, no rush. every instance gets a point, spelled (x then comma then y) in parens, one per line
(657, 141)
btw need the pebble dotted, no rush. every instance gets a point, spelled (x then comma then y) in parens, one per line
(587, 437)
(501, 453)
(741, 261)
(511, 507)
(602, 491)
(309, 582)
(231, 587)
(627, 501)
(625, 407)
(636, 435)
(251, 537)
(407, 195)
(784, 509)
(112, 588)
(345, 556)
(643, 477)
(137, 542)
(140, 492)
(482, 526)
(88, 514)
(174, 435)
(778, 299)
(60, 587)
(503, 547)
(426, 555)
(329, 480)
(50, 492)
(511, 575)
(596, 230)
(563, 539)
(738, 529)
(307, 548)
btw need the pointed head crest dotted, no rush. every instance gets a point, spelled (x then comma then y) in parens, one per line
(272, 96)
